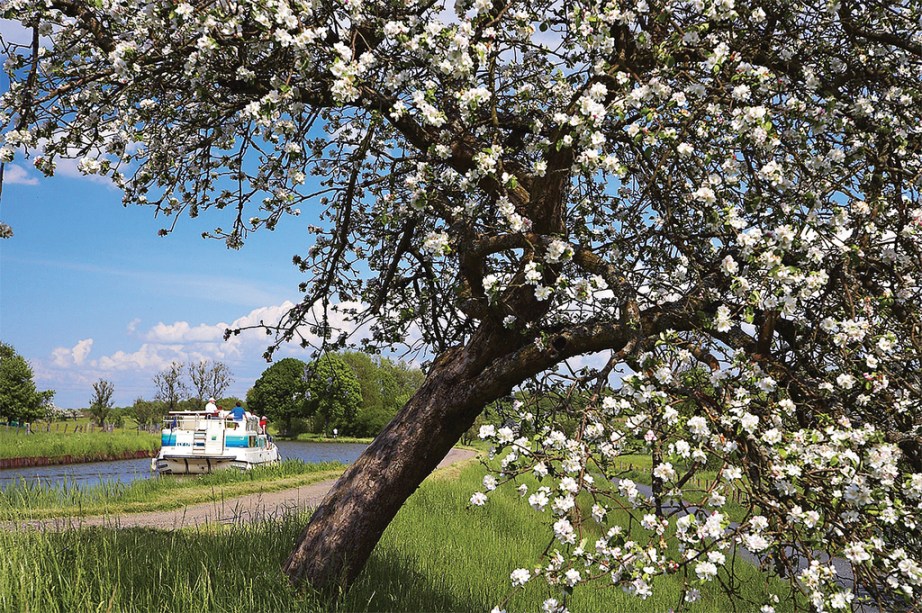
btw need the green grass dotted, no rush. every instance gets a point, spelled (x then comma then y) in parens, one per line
(310, 437)
(97, 445)
(638, 468)
(30, 500)
(437, 555)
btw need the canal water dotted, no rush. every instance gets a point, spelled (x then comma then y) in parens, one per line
(126, 471)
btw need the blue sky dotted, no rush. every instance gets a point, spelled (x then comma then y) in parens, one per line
(88, 290)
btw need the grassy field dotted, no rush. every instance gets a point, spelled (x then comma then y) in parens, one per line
(29, 500)
(97, 445)
(438, 555)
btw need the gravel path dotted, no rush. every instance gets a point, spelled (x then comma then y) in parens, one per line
(233, 510)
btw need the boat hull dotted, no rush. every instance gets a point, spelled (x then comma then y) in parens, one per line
(169, 462)
(194, 443)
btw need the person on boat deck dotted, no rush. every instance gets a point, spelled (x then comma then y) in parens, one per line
(263, 422)
(238, 412)
(211, 408)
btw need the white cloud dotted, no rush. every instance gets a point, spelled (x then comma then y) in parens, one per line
(182, 332)
(593, 361)
(75, 356)
(60, 356)
(145, 352)
(81, 350)
(148, 357)
(14, 174)
(14, 32)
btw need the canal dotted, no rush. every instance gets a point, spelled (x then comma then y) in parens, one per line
(125, 471)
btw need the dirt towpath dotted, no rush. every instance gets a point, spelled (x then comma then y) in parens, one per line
(234, 510)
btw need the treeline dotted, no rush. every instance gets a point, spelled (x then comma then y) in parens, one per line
(178, 387)
(146, 414)
(351, 392)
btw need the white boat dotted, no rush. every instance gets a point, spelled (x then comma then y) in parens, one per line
(195, 442)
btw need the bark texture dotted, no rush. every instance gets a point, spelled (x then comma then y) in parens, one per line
(345, 528)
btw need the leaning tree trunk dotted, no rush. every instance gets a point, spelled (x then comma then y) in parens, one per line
(347, 525)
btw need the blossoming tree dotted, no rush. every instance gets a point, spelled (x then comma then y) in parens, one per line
(716, 202)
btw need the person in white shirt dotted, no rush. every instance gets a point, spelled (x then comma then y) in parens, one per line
(211, 408)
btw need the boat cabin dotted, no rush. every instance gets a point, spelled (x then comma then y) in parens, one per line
(198, 441)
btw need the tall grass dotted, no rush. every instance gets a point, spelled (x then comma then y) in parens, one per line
(96, 445)
(39, 500)
(437, 555)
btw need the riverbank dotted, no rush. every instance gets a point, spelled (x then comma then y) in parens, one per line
(319, 438)
(223, 497)
(44, 448)
(29, 462)
(40, 504)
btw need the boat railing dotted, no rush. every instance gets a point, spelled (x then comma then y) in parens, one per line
(203, 421)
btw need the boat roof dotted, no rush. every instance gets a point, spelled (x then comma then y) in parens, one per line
(201, 412)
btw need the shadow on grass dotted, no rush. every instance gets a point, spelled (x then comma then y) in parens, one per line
(391, 582)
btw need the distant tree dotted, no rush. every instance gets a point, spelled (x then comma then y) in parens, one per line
(147, 413)
(279, 393)
(228, 402)
(117, 416)
(399, 382)
(188, 404)
(220, 378)
(333, 394)
(101, 401)
(19, 398)
(385, 387)
(198, 375)
(209, 379)
(368, 374)
(171, 388)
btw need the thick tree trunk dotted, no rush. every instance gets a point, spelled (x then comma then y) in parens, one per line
(347, 525)
(345, 528)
